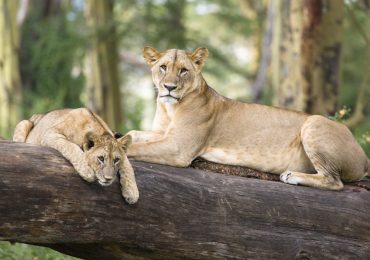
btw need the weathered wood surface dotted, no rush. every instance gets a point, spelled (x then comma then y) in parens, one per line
(182, 213)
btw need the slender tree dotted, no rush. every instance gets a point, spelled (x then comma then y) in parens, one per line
(175, 23)
(306, 54)
(103, 85)
(10, 81)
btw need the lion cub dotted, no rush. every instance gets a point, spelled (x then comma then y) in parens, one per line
(85, 140)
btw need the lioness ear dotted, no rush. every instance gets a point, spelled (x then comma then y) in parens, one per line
(151, 55)
(199, 56)
(125, 141)
(88, 141)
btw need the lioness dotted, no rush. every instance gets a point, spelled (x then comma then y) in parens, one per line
(193, 120)
(84, 139)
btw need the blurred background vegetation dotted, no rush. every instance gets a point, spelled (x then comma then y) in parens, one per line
(307, 55)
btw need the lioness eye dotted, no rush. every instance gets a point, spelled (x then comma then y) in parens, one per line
(116, 160)
(101, 158)
(163, 67)
(183, 71)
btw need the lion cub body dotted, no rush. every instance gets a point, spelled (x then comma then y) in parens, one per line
(192, 120)
(84, 139)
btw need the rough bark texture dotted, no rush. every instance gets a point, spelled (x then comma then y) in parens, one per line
(10, 82)
(307, 59)
(102, 63)
(182, 213)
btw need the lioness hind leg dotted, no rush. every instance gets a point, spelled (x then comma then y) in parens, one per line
(317, 180)
(322, 141)
(22, 130)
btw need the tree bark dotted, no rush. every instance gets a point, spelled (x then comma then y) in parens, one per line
(182, 213)
(103, 84)
(264, 62)
(309, 55)
(10, 81)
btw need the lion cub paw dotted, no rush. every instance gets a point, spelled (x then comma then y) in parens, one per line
(86, 172)
(130, 193)
(289, 177)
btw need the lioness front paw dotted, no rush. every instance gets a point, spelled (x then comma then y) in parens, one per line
(134, 136)
(288, 177)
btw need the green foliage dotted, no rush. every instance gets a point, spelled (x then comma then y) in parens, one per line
(362, 134)
(354, 68)
(354, 54)
(133, 115)
(341, 115)
(17, 251)
(50, 63)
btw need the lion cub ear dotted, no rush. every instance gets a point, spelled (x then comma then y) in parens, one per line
(125, 141)
(199, 57)
(89, 141)
(151, 55)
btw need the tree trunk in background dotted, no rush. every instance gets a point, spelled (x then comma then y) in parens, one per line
(10, 81)
(102, 75)
(264, 53)
(175, 24)
(306, 54)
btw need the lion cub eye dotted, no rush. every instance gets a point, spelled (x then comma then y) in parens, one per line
(163, 68)
(183, 71)
(101, 159)
(116, 160)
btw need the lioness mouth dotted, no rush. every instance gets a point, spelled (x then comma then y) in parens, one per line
(168, 95)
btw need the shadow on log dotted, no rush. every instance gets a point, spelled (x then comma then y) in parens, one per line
(181, 213)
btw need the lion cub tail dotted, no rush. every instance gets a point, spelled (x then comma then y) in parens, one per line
(24, 127)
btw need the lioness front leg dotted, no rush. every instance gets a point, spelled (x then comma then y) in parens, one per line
(169, 150)
(160, 152)
(144, 136)
(72, 152)
(129, 188)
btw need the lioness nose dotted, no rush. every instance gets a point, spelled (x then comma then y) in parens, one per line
(169, 87)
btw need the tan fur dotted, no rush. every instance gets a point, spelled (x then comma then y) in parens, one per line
(86, 141)
(198, 122)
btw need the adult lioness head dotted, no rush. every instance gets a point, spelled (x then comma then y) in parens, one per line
(176, 73)
(106, 155)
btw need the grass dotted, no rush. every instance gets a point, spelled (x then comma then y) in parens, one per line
(18, 251)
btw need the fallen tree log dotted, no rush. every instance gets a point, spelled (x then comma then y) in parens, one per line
(181, 213)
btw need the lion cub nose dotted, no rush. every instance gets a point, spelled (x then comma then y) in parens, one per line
(170, 87)
(108, 178)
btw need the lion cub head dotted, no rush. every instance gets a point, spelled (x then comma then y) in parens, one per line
(176, 73)
(106, 155)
